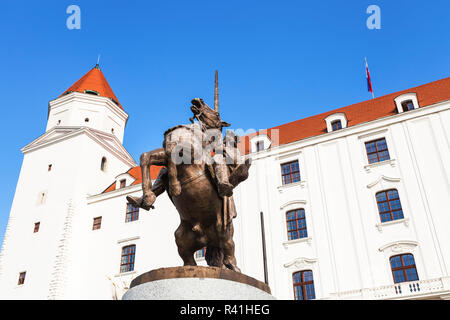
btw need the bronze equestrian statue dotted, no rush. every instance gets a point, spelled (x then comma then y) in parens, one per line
(200, 171)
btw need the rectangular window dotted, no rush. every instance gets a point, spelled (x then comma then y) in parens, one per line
(408, 105)
(97, 223)
(123, 183)
(259, 146)
(49, 167)
(403, 268)
(336, 125)
(389, 206)
(290, 172)
(21, 278)
(296, 224)
(36, 227)
(377, 150)
(132, 213)
(304, 285)
(127, 260)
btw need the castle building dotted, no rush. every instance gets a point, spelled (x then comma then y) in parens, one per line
(349, 204)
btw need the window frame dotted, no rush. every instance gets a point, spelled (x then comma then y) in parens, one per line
(37, 225)
(333, 123)
(130, 254)
(296, 220)
(96, 225)
(134, 213)
(403, 267)
(407, 103)
(22, 276)
(377, 152)
(303, 284)
(388, 201)
(291, 173)
(122, 183)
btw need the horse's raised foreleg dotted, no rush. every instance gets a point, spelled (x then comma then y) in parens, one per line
(174, 184)
(154, 157)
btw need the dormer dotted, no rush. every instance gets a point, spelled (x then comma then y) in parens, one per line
(336, 121)
(406, 102)
(260, 142)
(89, 102)
(124, 180)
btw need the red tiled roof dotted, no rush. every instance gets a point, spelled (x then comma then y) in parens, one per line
(136, 173)
(365, 111)
(361, 112)
(96, 81)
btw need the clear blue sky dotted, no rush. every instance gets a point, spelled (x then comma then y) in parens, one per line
(278, 61)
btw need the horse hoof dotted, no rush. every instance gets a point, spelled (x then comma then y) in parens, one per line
(136, 202)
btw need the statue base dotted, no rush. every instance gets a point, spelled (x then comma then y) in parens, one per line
(196, 283)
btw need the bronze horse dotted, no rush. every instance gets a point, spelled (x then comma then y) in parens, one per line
(206, 217)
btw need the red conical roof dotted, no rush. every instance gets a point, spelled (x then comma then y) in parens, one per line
(95, 81)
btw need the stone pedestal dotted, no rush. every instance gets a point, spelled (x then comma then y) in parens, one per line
(196, 283)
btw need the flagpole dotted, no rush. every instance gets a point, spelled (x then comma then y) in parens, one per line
(367, 70)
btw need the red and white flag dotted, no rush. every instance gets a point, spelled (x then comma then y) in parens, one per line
(369, 83)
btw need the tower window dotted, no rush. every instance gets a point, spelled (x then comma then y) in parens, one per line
(290, 172)
(132, 213)
(377, 150)
(296, 224)
(336, 125)
(59, 122)
(389, 205)
(21, 278)
(112, 130)
(304, 285)
(408, 105)
(49, 167)
(123, 183)
(86, 120)
(95, 93)
(41, 198)
(97, 223)
(403, 268)
(36, 227)
(103, 164)
(127, 260)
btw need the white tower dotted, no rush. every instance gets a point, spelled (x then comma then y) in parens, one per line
(79, 155)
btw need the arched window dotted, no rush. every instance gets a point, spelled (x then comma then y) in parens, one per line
(336, 125)
(303, 285)
(389, 205)
(127, 260)
(103, 164)
(296, 224)
(403, 268)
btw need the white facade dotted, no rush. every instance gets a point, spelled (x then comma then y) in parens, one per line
(347, 247)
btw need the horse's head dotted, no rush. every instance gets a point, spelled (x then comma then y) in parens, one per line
(207, 116)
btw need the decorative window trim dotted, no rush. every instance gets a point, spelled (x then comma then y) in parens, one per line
(260, 137)
(370, 166)
(380, 225)
(290, 205)
(334, 117)
(381, 181)
(300, 263)
(399, 247)
(301, 183)
(287, 243)
(405, 97)
(122, 241)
